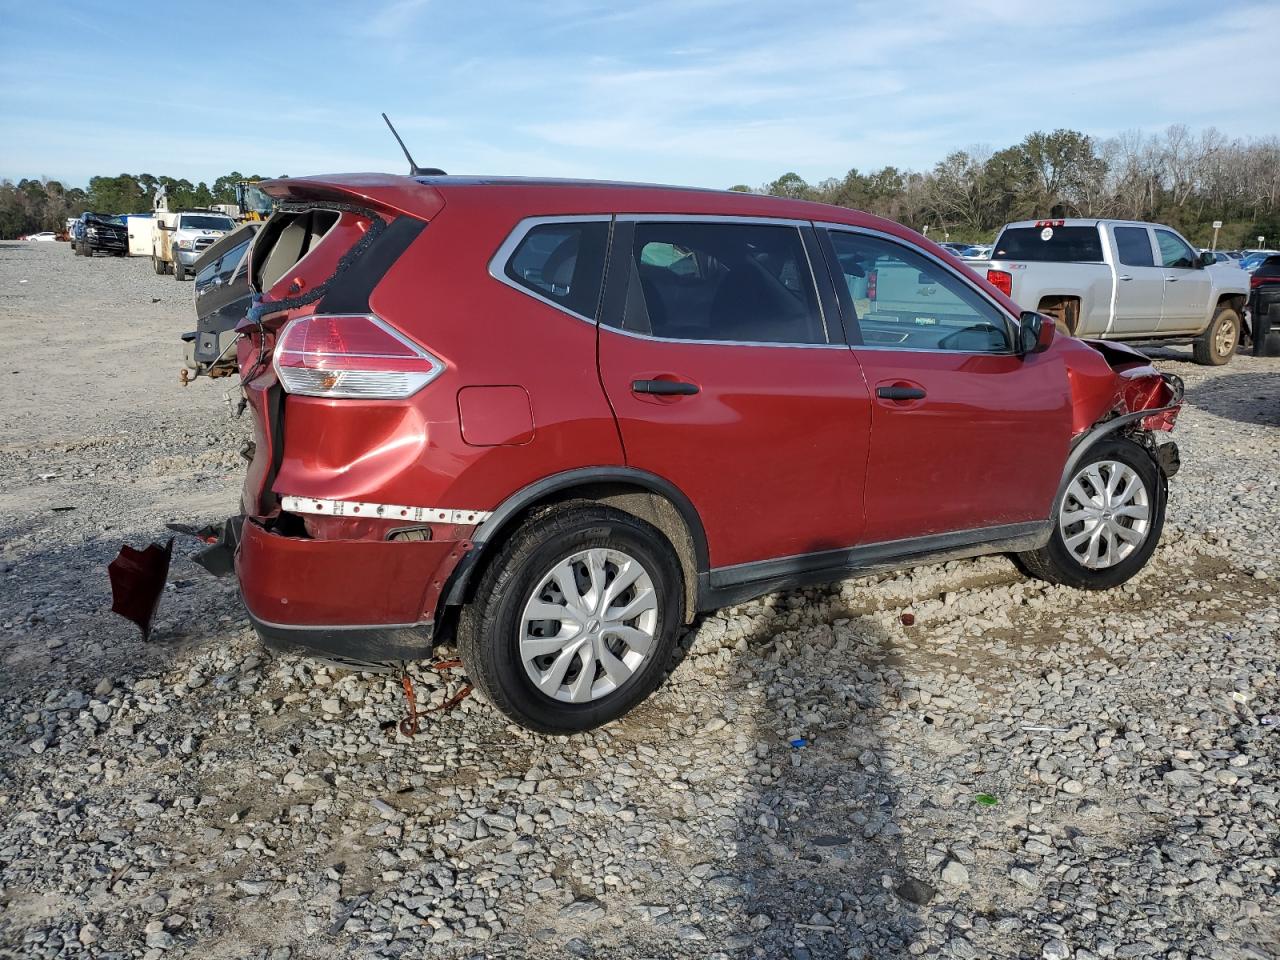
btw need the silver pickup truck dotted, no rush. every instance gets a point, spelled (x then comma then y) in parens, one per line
(1121, 280)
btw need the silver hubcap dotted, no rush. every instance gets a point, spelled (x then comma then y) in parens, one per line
(589, 625)
(1105, 515)
(1227, 337)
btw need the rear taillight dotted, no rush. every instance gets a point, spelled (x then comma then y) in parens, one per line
(871, 285)
(1256, 281)
(351, 356)
(1001, 280)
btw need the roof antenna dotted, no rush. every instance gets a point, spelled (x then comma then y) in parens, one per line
(414, 169)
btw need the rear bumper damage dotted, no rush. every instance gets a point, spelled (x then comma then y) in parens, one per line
(356, 600)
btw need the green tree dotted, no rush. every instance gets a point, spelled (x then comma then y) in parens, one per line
(790, 185)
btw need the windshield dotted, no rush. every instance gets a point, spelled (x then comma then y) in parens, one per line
(201, 222)
(1055, 244)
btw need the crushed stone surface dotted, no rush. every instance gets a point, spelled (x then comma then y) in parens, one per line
(1026, 771)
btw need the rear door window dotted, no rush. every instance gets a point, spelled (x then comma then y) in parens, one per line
(722, 281)
(562, 263)
(1174, 251)
(1050, 244)
(1133, 246)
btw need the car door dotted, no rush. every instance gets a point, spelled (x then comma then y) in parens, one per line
(1140, 281)
(1187, 285)
(729, 376)
(965, 434)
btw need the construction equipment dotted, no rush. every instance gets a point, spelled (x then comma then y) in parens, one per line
(253, 203)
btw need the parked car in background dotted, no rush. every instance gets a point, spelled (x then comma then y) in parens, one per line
(45, 236)
(1255, 258)
(222, 298)
(689, 408)
(181, 236)
(1264, 306)
(99, 233)
(1120, 280)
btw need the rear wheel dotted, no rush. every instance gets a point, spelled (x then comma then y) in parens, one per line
(1108, 521)
(1217, 345)
(75, 248)
(575, 621)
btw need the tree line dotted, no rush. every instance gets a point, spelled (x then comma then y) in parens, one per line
(1176, 177)
(30, 206)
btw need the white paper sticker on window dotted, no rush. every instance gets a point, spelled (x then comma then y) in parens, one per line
(1046, 233)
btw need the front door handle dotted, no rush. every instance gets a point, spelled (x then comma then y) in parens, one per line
(1124, 276)
(1170, 279)
(900, 393)
(664, 388)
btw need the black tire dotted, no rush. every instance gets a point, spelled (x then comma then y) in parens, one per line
(490, 626)
(179, 271)
(1056, 563)
(75, 248)
(1210, 348)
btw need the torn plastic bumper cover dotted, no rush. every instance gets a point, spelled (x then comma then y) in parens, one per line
(366, 600)
(137, 580)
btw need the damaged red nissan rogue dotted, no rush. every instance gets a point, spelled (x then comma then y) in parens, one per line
(556, 420)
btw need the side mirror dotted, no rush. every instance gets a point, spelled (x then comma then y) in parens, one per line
(1206, 259)
(1035, 332)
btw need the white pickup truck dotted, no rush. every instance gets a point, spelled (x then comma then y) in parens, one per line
(1120, 280)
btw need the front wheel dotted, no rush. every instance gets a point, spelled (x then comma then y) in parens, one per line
(575, 621)
(1217, 345)
(1108, 520)
(179, 271)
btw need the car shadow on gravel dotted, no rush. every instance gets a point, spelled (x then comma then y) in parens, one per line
(821, 861)
(1243, 397)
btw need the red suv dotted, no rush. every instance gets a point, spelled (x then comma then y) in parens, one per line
(559, 419)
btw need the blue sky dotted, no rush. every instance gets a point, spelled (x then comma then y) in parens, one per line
(702, 92)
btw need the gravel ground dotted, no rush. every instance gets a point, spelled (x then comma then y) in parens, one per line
(195, 795)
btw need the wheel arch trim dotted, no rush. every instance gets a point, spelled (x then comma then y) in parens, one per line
(503, 515)
(1098, 432)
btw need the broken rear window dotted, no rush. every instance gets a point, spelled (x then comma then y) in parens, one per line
(286, 241)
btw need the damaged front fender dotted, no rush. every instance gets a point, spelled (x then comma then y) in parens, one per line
(1111, 380)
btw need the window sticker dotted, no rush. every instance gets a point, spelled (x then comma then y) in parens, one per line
(1046, 234)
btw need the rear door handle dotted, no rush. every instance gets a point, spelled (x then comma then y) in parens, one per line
(664, 388)
(1170, 279)
(1124, 276)
(900, 393)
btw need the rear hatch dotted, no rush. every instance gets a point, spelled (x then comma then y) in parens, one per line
(324, 249)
